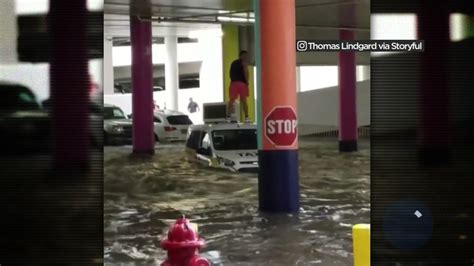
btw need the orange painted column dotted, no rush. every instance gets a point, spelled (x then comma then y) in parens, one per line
(278, 158)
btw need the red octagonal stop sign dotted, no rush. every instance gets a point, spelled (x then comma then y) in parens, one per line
(281, 126)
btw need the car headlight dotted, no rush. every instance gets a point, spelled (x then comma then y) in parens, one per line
(225, 161)
(117, 129)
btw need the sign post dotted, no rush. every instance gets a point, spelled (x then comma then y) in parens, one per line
(281, 127)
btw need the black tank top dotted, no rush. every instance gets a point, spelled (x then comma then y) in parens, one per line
(237, 71)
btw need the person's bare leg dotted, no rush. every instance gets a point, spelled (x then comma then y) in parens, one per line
(230, 108)
(243, 100)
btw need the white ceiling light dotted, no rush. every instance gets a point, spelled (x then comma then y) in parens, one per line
(42, 6)
(235, 19)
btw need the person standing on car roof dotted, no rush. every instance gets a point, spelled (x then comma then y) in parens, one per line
(239, 86)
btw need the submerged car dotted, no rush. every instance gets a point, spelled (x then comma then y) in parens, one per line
(117, 126)
(24, 126)
(231, 146)
(171, 126)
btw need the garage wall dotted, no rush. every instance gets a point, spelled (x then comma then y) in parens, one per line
(124, 72)
(318, 110)
(207, 52)
(36, 76)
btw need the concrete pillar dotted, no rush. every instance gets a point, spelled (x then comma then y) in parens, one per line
(433, 28)
(8, 31)
(347, 97)
(366, 72)
(108, 66)
(142, 81)
(363, 73)
(172, 71)
(278, 182)
(69, 84)
(468, 26)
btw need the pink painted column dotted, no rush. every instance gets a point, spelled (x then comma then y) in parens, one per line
(433, 27)
(69, 84)
(347, 97)
(142, 81)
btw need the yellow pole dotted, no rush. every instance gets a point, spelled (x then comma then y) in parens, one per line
(361, 244)
(251, 98)
(230, 50)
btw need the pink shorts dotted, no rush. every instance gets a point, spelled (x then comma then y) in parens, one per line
(238, 89)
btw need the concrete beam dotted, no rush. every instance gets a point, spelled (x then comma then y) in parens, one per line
(8, 30)
(108, 67)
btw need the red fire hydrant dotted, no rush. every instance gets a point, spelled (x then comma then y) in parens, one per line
(183, 245)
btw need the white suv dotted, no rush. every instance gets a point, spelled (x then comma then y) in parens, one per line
(117, 127)
(171, 126)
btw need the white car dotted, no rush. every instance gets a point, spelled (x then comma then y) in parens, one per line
(231, 146)
(117, 127)
(171, 126)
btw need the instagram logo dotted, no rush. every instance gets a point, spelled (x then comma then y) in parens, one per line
(302, 46)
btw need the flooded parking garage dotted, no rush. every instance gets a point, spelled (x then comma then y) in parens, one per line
(144, 195)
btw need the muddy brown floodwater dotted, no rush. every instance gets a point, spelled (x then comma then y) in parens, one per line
(143, 196)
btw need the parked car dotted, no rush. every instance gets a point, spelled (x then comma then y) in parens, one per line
(171, 126)
(230, 146)
(24, 126)
(121, 89)
(95, 122)
(117, 126)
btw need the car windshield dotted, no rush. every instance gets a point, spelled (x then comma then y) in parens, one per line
(241, 139)
(17, 98)
(179, 120)
(113, 113)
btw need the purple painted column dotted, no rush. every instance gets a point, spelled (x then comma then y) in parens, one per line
(433, 27)
(142, 81)
(347, 97)
(69, 84)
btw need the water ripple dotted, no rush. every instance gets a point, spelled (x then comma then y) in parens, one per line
(144, 195)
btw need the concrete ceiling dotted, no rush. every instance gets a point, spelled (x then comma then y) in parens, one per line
(315, 19)
(328, 14)
(413, 6)
(189, 68)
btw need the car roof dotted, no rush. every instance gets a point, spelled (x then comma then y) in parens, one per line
(109, 105)
(223, 126)
(8, 84)
(167, 112)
